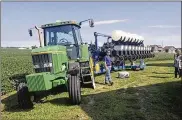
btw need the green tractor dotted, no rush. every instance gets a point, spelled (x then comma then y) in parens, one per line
(61, 60)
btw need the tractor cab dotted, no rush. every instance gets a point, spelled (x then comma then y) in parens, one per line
(67, 34)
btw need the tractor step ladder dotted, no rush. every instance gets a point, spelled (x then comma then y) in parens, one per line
(87, 77)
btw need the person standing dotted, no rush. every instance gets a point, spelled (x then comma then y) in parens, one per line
(180, 65)
(107, 61)
(176, 64)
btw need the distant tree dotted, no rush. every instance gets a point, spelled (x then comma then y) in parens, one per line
(33, 47)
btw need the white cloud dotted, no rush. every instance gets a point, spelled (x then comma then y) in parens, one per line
(110, 21)
(164, 26)
(105, 22)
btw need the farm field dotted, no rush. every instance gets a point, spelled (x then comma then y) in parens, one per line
(150, 94)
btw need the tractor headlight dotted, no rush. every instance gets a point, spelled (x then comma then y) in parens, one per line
(36, 66)
(47, 64)
(63, 68)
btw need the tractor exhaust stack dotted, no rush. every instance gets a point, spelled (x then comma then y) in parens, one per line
(39, 34)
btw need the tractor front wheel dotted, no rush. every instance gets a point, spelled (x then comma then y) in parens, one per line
(24, 100)
(74, 89)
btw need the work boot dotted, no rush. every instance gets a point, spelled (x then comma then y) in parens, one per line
(175, 76)
(106, 83)
(111, 83)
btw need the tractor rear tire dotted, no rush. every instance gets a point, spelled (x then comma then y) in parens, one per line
(24, 100)
(74, 89)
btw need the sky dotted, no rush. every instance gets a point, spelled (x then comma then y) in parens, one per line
(158, 22)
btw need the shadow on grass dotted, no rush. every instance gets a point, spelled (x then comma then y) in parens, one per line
(100, 83)
(11, 104)
(161, 73)
(159, 76)
(156, 101)
(59, 101)
(161, 64)
(138, 103)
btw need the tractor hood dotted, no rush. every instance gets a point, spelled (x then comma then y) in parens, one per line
(49, 49)
(49, 59)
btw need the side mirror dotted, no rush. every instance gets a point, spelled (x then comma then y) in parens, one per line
(91, 23)
(30, 32)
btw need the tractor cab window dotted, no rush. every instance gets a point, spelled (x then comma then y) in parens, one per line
(78, 35)
(60, 35)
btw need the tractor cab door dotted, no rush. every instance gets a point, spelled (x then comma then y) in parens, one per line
(72, 52)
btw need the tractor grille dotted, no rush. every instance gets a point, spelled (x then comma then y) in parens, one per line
(42, 63)
(36, 83)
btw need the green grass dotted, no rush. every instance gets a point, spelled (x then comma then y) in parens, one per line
(162, 56)
(146, 95)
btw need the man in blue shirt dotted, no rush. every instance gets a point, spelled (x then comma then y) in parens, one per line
(108, 65)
